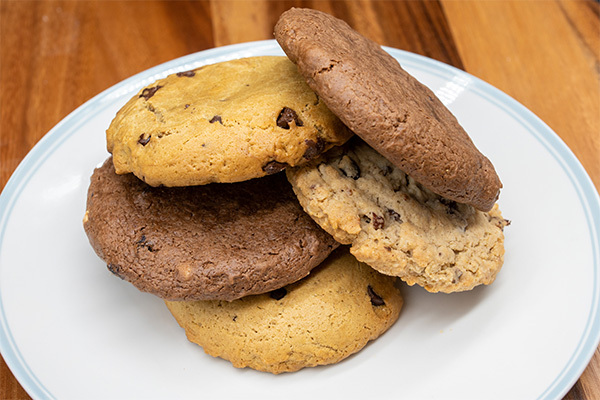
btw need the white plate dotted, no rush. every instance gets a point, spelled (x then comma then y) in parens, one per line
(70, 330)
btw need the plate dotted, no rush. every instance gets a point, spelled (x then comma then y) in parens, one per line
(70, 329)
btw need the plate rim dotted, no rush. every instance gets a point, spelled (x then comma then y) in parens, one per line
(582, 183)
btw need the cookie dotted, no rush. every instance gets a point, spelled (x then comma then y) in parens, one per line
(396, 225)
(397, 115)
(322, 319)
(225, 122)
(218, 241)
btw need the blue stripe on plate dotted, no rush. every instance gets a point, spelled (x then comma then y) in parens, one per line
(586, 192)
(584, 187)
(63, 131)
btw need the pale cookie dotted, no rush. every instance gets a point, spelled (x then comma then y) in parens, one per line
(396, 225)
(322, 319)
(387, 107)
(226, 122)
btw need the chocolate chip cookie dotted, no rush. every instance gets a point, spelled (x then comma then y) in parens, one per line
(319, 320)
(217, 241)
(226, 122)
(397, 115)
(396, 225)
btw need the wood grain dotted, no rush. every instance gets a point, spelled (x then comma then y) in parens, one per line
(556, 79)
(58, 54)
(55, 55)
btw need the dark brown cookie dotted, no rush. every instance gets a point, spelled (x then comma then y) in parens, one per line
(211, 242)
(394, 113)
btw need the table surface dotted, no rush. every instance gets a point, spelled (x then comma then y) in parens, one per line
(55, 55)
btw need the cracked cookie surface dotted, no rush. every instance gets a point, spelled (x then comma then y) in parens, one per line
(217, 241)
(396, 225)
(225, 122)
(387, 107)
(319, 320)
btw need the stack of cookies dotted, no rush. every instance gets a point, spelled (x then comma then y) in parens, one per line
(239, 194)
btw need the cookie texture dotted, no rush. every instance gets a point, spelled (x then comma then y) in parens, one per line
(218, 241)
(396, 225)
(319, 320)
(225, 122)
(393, 112)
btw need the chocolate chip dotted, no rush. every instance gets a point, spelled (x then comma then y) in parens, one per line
(145, 243)
(274, 167)
(378, 221)
(216, 118)
(349, 168)
(278, 294)
(149, 92)
(394, 215)
(286, 117)
(366, 219)
(313, 149)
(189, 74)
(234, 318)
(116, 270)
(376, 299)
(499, 222)
(143, 140)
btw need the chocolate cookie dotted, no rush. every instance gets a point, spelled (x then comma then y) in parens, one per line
(319, 320)
(397, 115)
(396, 225)
(226, 122)
(218, 241)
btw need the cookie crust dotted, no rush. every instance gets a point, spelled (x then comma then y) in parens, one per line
(219, 241)
(322, 319)
(397, 226)
(392, 111)
(225, 122)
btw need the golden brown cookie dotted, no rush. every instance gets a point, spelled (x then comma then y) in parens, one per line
(226, 122)
(396, 225)
(397, 115)
(319, 320)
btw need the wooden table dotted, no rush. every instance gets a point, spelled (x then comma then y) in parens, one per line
(55, 55)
